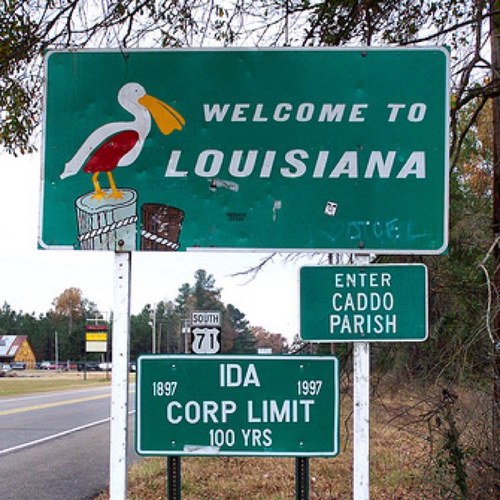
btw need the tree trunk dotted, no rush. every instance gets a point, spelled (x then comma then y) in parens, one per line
(495, 60)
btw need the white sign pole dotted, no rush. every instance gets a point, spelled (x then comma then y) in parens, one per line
(361, 442)
(119, 383)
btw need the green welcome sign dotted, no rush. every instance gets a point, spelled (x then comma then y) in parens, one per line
(298, 149)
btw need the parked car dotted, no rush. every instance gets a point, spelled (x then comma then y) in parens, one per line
(18, 365)
(5, 368)
(90, 366)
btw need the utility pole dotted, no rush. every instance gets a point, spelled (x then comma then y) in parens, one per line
(495, 63)
(152, 324)
(56, 353)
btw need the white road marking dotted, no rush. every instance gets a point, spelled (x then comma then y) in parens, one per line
(55, 436)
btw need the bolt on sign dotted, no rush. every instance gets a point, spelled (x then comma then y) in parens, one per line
(237, 405)
(298, 149)
(373, 303)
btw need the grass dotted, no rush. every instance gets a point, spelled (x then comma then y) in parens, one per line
(33, 381)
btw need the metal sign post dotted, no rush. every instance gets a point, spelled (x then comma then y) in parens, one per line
(302, 478)
(361, 415)
(174, 482)
(119, 383)
(361, 440)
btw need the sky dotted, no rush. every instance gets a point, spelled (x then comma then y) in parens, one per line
(30, 279)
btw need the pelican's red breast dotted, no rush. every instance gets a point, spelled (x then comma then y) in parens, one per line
(106, 157)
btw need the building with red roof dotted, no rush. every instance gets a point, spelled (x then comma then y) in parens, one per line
(16, 348)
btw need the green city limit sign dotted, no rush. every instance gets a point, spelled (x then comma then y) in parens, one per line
(297, 149)
(237, 405)
(364, 303)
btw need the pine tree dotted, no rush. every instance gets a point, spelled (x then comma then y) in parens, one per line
(244, 340)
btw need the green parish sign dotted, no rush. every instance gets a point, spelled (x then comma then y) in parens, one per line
(293, 149)
(237, 405)
(384, 303)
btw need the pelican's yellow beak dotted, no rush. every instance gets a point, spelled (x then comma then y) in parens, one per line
(166, 117)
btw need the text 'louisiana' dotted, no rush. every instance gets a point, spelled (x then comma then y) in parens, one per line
(297, 163)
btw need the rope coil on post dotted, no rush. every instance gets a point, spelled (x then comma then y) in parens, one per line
(106, 229)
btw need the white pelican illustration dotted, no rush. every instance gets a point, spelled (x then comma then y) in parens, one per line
(119, 144)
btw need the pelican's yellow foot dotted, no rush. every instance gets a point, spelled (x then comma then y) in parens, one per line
(99, 195)
(115, 194)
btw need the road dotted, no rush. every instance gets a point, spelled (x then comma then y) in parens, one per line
(56, 445)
